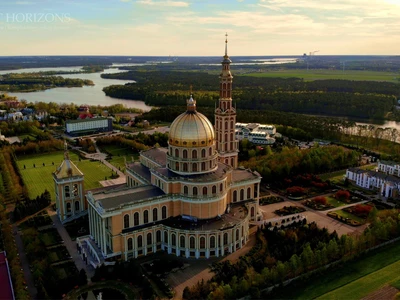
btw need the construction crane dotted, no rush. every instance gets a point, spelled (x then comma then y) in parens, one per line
(310, 55)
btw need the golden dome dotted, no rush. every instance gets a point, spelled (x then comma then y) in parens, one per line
(191, 129)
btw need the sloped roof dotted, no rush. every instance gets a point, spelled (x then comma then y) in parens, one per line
(67, 169)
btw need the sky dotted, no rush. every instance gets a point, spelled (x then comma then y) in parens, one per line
(198, 27)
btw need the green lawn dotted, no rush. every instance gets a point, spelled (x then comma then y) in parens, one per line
(334, 176)
(39, 178)
(311, 75)
(334, 202)
(354, 280)
(345, 214)
(119, 155)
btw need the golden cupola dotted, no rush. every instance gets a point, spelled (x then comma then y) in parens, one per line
(191, 143)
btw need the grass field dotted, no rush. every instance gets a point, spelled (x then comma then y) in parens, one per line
(346, 214)
(39, 178)
(334, 202)
(119, 154)
(354, 280)
(334, 176)
(329, 74)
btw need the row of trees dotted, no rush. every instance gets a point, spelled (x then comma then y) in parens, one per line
(29, 207)
(279, 165)
(288, 253)
(12, 188)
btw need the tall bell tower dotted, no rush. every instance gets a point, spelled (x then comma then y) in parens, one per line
(225, 116)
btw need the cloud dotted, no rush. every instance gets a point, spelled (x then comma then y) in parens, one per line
(163, 3)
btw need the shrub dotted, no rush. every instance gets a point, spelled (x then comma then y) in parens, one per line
(320, 200)
(296, 191)
(342, 195)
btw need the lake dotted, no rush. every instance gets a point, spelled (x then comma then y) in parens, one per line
(91, 95)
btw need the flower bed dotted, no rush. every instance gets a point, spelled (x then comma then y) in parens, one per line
(289, 210)
(270, 200)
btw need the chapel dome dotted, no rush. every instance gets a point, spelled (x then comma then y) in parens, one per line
(191, 129)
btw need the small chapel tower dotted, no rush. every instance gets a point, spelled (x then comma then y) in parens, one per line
(225, 116)
(69, 193)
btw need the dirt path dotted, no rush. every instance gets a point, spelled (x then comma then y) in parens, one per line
(386, 293)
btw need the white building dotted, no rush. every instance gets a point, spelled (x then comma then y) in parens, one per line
(256, 133)
(388, 185)
(88, 125)
(389, 167)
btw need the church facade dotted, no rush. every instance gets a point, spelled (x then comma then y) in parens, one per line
(189, 199)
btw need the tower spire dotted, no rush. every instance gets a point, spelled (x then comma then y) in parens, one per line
(226, 44)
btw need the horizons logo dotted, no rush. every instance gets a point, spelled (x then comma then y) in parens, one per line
(35, 17)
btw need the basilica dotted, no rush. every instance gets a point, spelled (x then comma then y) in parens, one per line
(190, 199)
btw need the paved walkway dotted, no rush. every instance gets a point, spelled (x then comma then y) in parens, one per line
(24, 263)
(70, 245)
(102, 158)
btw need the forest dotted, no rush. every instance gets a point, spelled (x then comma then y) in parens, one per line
(30, 82)
(362, 99)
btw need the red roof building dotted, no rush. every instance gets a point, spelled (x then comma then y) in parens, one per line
(6, 288)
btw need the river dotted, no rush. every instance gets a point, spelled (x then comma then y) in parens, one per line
(91, 95)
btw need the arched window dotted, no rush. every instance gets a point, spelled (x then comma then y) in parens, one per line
(203, 153)
(237, 234)
(205, 191)
(166, 237)
(136, 219)
(68, 207)
(225, 238)
(194, 191)
(192, 242)
(66, 191)
(185, 190)
(194, 167)
(226, 125)
(194, 154)
(234, 196)
(76, 205)
(182, 242)
(202, 242)
(214, 189)
(130, 244)
(248, 193)
(184, 153)
(149, 239)
(176, 153)
(203, 166)
(173, 239)
(126, 221)
(221, 187)
(231, 136)
(185, 167)
(252, 212)
(139, 241)
(164, 212)
(210, 151)
(158, 236)
(155, 214)
(212, 242)
(226, 137)
(232, 125)
(242, 194)
(177, 166)
(146, 217)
